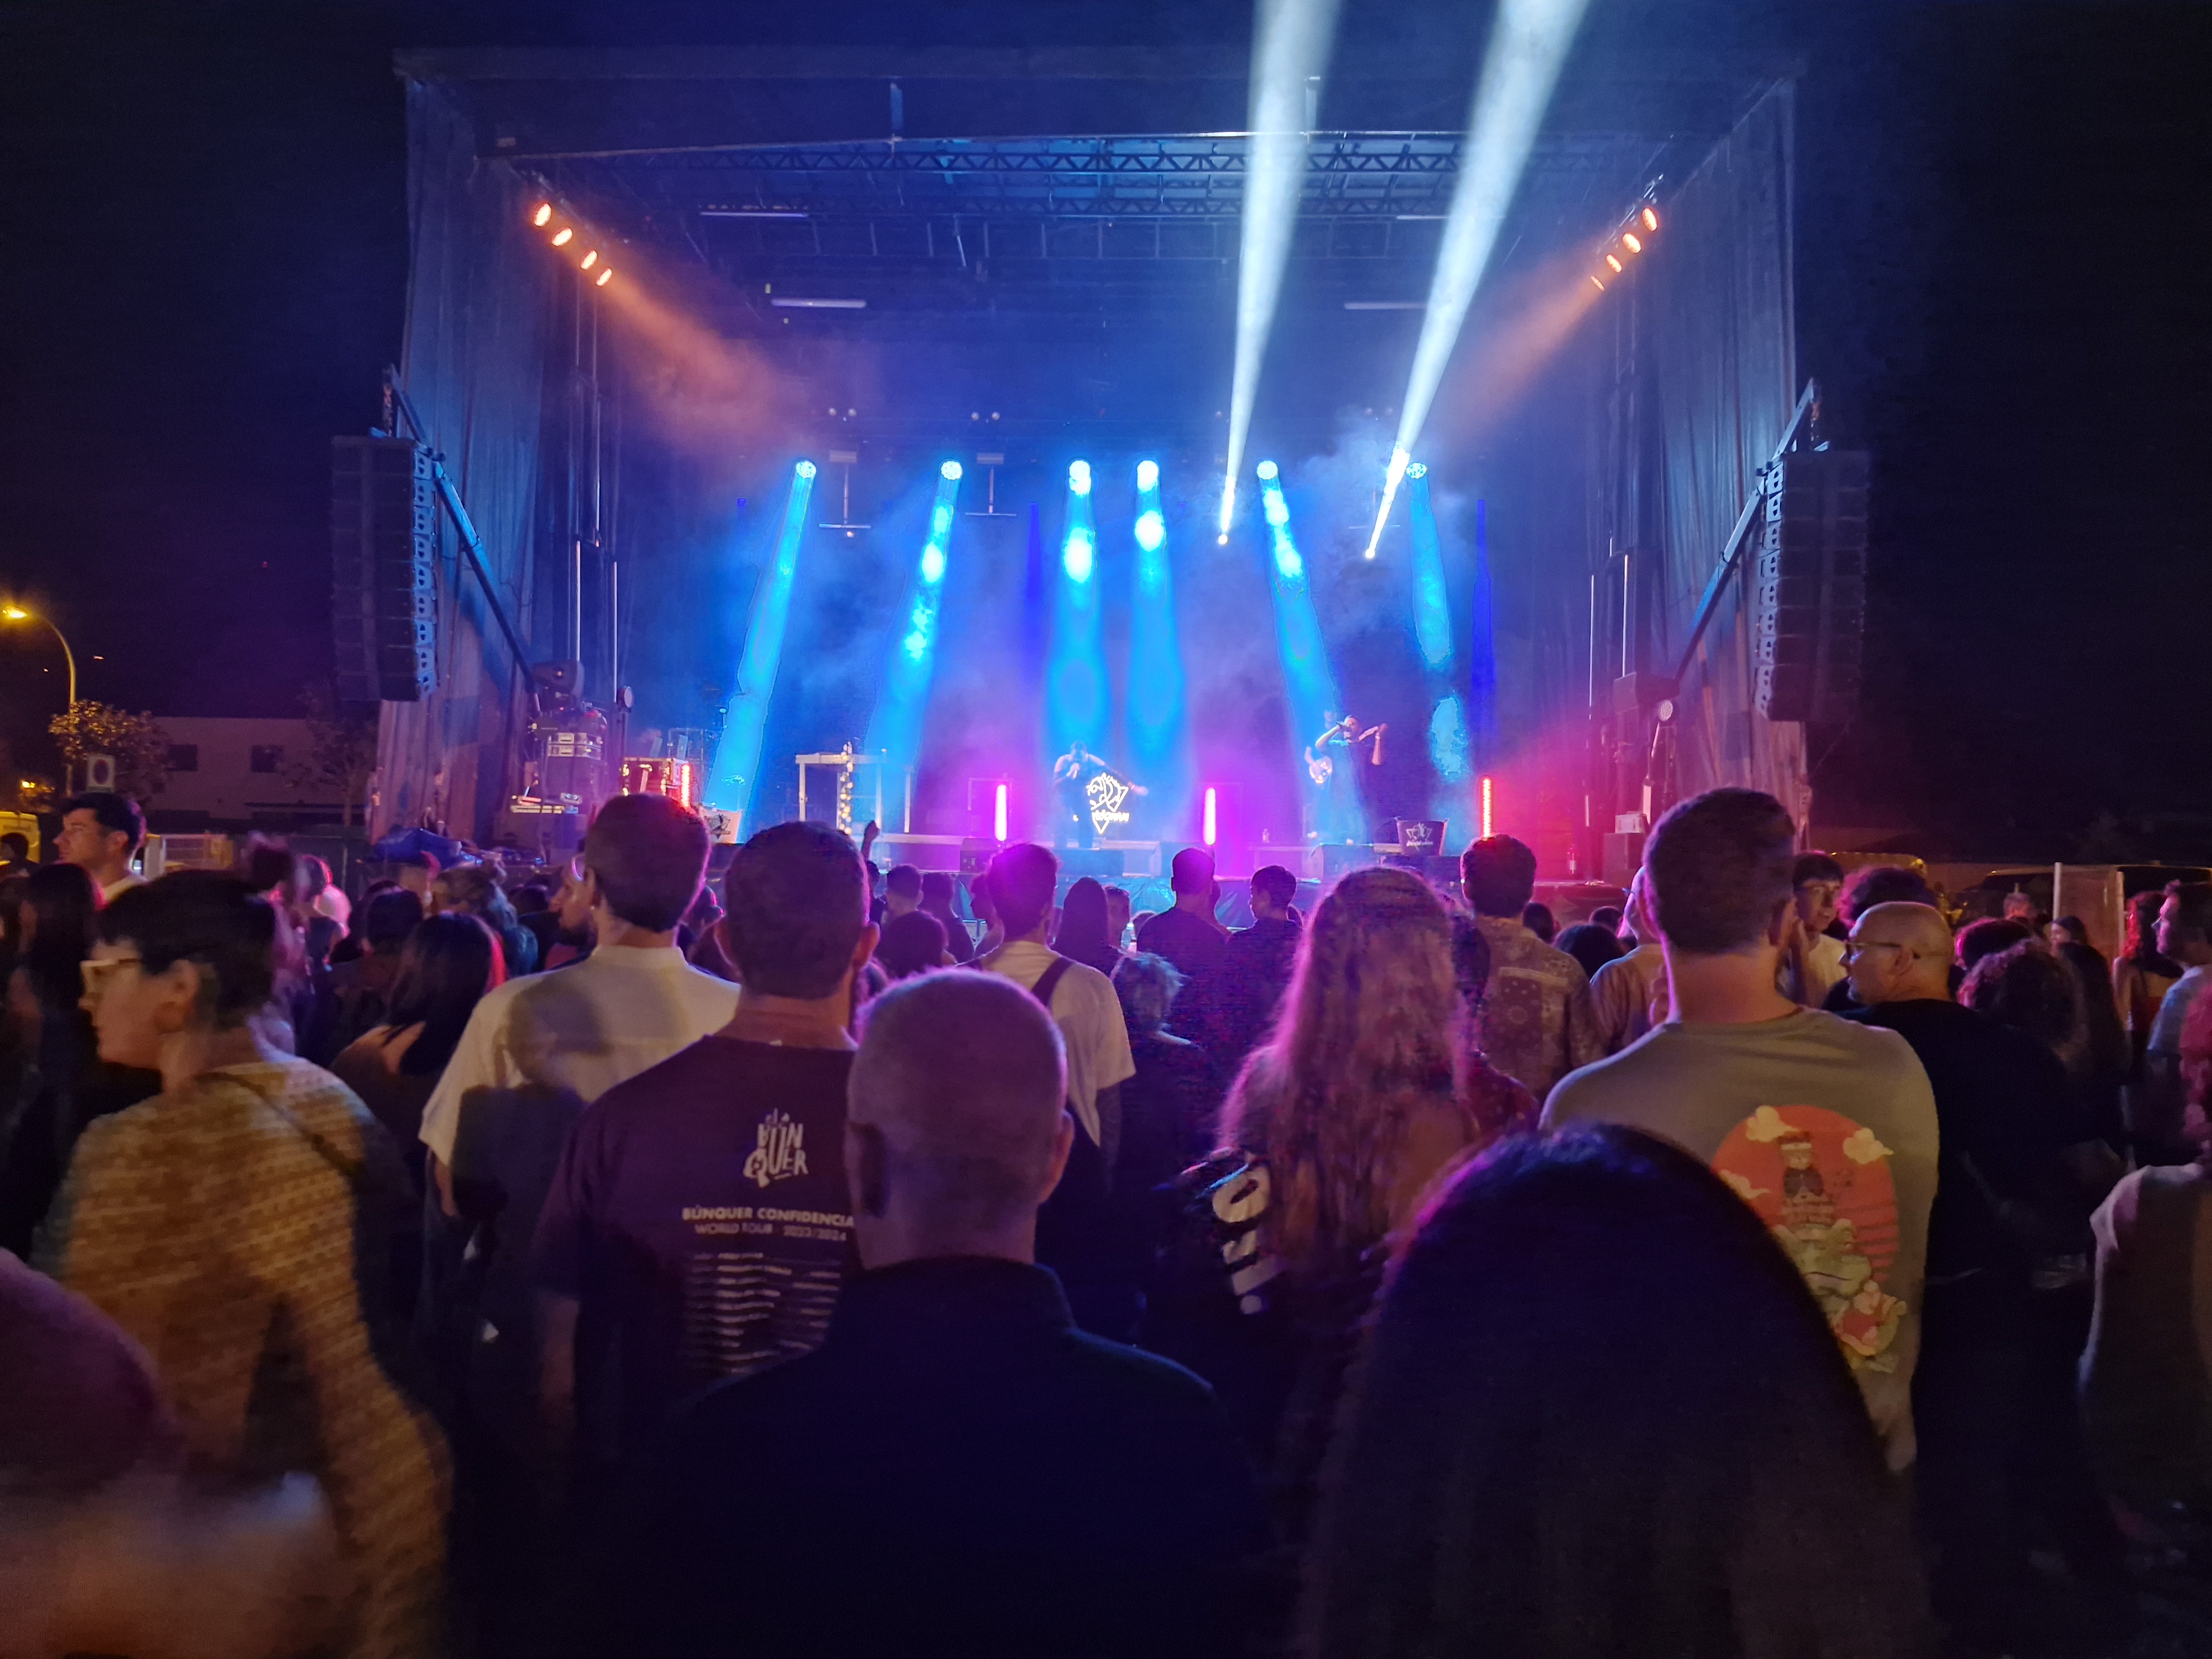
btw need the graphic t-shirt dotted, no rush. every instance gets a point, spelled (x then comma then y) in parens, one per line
(701, 1216)
(1827, 1130)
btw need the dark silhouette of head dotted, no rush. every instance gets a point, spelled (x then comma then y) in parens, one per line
(1554, 1448)
(1498, 874)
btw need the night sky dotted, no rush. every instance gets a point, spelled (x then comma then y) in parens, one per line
(2002, 210)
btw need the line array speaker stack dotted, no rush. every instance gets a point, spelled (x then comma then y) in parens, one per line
(384, 543)
(1809, 598)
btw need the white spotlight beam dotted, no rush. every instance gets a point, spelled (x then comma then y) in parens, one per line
(1527, 44)
(1291, 41)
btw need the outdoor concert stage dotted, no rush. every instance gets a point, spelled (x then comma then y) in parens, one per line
(889, 412)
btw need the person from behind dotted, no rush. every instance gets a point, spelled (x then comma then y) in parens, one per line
(1170, 1104)
(1187, 935)
(901, 892)
(1538, 919)
(1551, 1448)
(445, 967)
(2147, 1376)
(2033, 992)
(15, 854)
(271, 1200)
(2100, 1079)
(1084, 934)
(956, 1468)
(1817, 880)
(937, 894)
(1118, 917)
(911, 943)
(1537, 1021)
(1333, 1131)
(2184, 937)
(1609, 917)
(2004, 1118)
(698, 1227)
(356, 995)
(1077, 1241)
(474, 889)
(1978, 940)
(1628, 996)
(1255, 967)
(101, 832)
(1825, 1127)
(1501, 1106)
(1592, 947)
(550, 1044)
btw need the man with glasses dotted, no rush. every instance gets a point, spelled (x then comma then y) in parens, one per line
(2001, 1114)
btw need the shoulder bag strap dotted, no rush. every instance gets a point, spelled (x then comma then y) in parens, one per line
(1049, 982)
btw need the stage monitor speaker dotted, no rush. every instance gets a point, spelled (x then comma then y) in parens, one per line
(1809, 589)
(384, 595)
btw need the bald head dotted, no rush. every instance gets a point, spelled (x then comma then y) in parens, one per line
(1901, 952)
(954, 1117)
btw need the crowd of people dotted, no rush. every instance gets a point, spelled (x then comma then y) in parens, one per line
(792, 1262)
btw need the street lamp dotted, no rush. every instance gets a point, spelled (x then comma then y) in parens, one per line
(15, 613)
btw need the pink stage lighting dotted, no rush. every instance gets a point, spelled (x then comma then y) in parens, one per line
(1212, 816)
(999, 813)
(1487, 831)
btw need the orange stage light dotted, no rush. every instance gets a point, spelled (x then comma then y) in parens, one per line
(1628, 241)
(1614, 263)
(1650, 220)
(591, 260)
(560, 237)
(601, 281)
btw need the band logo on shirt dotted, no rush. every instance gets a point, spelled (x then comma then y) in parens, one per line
(779, 1151)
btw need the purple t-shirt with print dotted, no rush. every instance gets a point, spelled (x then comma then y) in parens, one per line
(701, 1216)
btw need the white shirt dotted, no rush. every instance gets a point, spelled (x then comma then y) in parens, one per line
(122, 883)
(582, 1028)
(1089, 1016)
(1824, 968)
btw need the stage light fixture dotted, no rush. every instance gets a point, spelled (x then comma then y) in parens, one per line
(1650, 218)
(950, 469)
(1489, 823)
(563, 236)
(1267, 470)
(544, 214)
(604, 277)
(1601, 286)
(1079, 477)
(1150, 531)
(1207, 830)
(1417, 469)
(589, 260)
(1628, 240)
(999, 813)
(1614, 263)
(1079, 556)
(1222, 540)
(1148, 475)
(805, 469)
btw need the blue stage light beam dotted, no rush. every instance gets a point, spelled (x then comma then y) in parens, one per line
(902, 698)
(1075, 668)
(1159, 737)
(736, 770)
(1433, 630)
(1529, 44)
(1307, 676)
(1291, 41)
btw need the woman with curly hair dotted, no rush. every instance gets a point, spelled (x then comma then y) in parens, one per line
(1335, 1127)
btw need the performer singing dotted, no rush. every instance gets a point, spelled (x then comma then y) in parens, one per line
(1092, 796)
(1331, 759)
